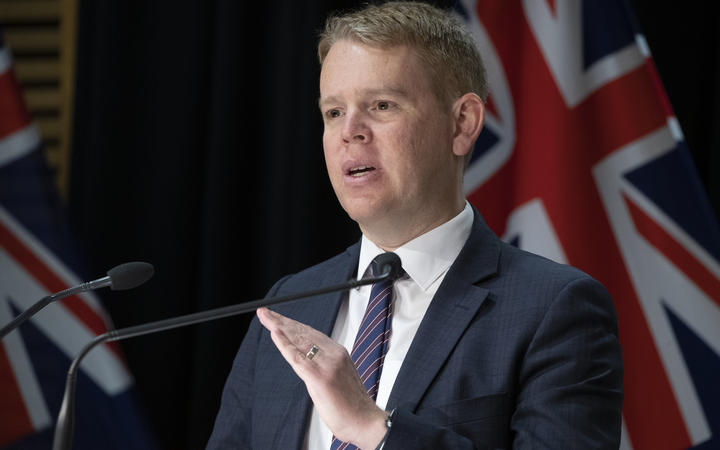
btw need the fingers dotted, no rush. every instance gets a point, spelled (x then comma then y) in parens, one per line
(295, 333)
(329, 375)
(272, 320)
(293, 339)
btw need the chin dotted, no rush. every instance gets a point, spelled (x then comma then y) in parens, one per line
(369, 218)
(360, 215)
(360, 211)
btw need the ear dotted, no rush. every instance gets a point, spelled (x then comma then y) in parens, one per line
(468, 114)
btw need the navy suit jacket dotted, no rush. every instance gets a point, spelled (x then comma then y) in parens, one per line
(515, 351)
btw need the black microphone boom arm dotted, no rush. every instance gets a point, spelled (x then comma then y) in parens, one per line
(66, 416)
(43, 302)
(124, 276)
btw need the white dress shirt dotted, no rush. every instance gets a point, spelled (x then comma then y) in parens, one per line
(426, 259)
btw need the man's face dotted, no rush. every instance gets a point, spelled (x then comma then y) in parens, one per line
(387, 141)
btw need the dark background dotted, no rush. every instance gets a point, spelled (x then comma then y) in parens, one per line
(197, 147)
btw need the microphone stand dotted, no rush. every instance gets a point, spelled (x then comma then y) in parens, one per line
(66, 416)
(119, 278)
(89, 286)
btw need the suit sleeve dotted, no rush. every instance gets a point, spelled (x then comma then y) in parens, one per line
(233, 424)
(568, 388)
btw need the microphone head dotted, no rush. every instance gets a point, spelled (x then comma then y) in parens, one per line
(130, 275)
(389, 263)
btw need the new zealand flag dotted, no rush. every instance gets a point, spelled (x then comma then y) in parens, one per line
(583, 161)
(37, 258)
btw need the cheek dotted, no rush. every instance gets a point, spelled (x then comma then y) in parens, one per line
(399, 139)
(428, 153)
(328, 150)
(405, 162)
(417, 139)
(393, 150)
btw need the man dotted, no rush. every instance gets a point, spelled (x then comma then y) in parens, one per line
(490, 346)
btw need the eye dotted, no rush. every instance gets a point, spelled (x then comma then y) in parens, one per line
(333, 113)
(383, 106)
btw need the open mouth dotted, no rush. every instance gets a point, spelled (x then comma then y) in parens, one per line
(360, 171)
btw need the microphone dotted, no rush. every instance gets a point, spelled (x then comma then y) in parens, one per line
(390, 267)
(119, 278)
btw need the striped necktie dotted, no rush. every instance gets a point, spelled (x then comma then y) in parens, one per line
(371, 342)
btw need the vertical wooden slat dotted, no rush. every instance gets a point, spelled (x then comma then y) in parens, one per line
(68, 32)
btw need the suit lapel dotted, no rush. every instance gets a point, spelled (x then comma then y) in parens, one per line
(320, 313)
(451, 311)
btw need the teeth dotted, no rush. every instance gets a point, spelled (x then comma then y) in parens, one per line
(358, 171)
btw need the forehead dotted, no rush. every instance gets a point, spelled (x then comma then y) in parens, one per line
(353, 68)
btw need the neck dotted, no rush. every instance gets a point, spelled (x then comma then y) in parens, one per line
(396, 233)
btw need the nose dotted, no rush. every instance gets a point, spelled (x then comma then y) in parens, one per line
(355, 129)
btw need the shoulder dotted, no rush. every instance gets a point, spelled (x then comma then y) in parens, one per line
(518, 280)
(336, 269)
(533, 288)
(487, 259)
(533, 268)
(541, 281)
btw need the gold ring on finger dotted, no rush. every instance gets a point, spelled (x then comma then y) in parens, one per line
(312, 352)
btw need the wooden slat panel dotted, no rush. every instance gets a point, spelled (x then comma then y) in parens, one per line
(42, 99)
(41, 36)
(29, 10)
(32, 40)
(49, 127)
(44, 69)
(54, 156)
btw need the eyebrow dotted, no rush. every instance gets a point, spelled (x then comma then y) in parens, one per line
(390, 90)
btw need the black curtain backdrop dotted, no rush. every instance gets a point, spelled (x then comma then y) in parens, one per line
(197, 147)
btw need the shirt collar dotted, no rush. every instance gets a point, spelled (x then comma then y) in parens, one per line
(429, 255)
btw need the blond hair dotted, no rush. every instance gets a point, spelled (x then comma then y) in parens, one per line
(442, 43)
